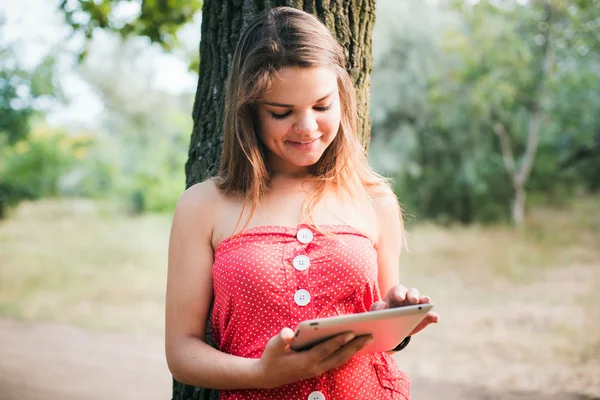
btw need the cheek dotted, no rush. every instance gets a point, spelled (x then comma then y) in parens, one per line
(271, 130)
(330, 124)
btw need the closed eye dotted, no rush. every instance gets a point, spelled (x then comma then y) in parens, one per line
(281, 116)
(288, 113)
(323, 108)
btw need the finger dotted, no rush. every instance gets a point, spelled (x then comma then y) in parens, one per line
(344, 353)
(380, 305)
(430, 318)
(287, 335)
(396, 296)
(281, 342)
(412, 296)
(424, 299)
(325, 349)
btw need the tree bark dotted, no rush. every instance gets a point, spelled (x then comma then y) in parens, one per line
(351, 22)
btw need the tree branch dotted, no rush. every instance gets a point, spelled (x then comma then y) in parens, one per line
(532, 142)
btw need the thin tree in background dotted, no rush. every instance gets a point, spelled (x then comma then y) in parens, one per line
(519, 173)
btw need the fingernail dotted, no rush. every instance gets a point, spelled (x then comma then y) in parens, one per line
(369, 340)
(348, 337)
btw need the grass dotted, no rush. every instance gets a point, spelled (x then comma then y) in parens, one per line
(519, 308)
(550, 239)
(74, 262)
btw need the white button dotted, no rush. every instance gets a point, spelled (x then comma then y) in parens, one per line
(302, 297)
(304, 236)
(316, 396)
(301, 262)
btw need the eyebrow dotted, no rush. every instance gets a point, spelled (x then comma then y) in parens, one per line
(291, 105)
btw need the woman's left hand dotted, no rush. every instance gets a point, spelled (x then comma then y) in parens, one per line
(399, 296)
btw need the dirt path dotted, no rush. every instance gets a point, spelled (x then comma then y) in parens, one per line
(51, 361)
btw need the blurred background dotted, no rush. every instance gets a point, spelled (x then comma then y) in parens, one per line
(485, 113)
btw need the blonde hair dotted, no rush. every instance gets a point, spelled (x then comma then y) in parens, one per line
(287, 37)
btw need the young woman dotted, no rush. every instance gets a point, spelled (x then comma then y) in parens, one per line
(295, 226)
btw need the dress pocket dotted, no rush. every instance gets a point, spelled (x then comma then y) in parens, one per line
(390, 377)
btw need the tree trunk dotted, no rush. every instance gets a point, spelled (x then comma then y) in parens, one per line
(518, 206)
(519, 175)
(351, 22)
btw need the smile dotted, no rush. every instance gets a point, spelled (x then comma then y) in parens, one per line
(305, 145)
(304, 142)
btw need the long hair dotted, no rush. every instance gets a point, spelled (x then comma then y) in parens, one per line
(287, 37)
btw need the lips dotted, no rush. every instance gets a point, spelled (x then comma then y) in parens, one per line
(309, 141)
(304, 145)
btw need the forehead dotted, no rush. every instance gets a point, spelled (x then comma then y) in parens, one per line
(297, 86)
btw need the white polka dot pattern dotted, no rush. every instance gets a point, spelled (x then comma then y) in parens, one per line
(256, 292)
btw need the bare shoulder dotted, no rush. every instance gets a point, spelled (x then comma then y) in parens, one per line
(384, 199)
(387, 209)
(198, 205)
(201, 194)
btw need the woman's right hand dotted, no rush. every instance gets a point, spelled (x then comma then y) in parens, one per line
(280, 365)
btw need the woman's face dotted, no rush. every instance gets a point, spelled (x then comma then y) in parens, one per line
(299, 117)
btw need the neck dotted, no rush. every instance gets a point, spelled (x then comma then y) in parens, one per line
(286, 182)
(280, 169)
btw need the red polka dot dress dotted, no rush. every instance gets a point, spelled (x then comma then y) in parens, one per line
(271, 277)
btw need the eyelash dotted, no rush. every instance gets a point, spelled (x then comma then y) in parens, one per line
(286, 114)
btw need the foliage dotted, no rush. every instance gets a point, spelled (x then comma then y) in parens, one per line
(136, 153)
(93, 174)
(51, 163)
(158, 20)
(23, 92)
(14, 115)
(455, 73)
(145, 129)
(32, 168)
(24, 96)
(10, 196)
(36, 165)
(157, 179)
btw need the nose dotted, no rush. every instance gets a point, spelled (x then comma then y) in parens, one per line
(307, 123)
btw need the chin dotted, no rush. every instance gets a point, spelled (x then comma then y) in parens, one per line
(306, 161)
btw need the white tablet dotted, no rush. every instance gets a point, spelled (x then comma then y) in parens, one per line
(388, 327)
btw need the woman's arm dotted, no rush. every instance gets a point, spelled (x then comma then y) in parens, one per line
(389, 246)
(189, 295)
(390, 239)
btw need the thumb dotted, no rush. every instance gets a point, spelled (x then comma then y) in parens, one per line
(281, 341)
